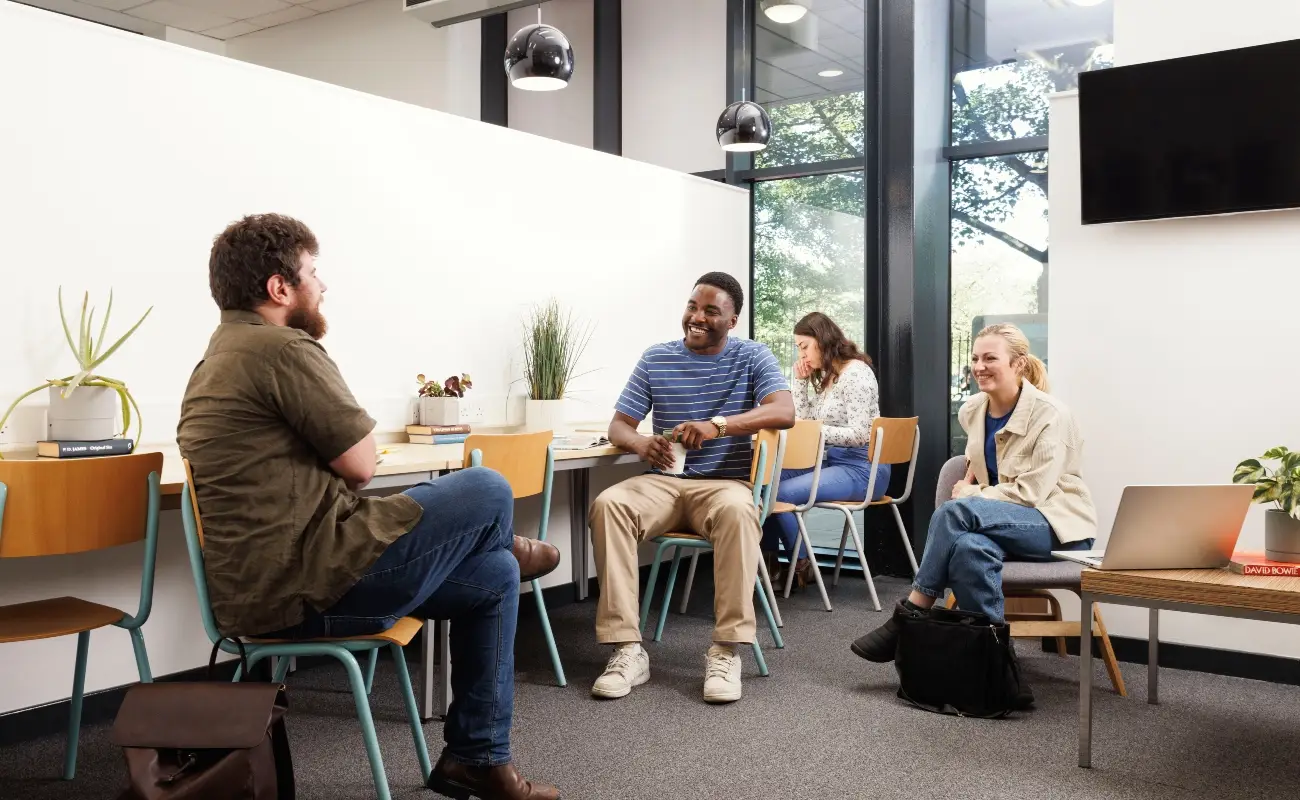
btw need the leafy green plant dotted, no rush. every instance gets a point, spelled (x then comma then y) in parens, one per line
(90, 353)
(1280, 486)
(553, 344)
(452, 387)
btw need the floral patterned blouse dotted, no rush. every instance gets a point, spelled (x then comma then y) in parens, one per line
(846, 410)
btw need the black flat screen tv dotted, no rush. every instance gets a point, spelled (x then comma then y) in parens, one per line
(1207, 134)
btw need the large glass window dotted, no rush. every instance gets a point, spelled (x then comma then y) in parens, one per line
(809, 75)
(1008, 56)
(809, 255)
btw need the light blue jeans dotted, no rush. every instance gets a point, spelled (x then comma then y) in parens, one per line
(845, 474)
(968, 541)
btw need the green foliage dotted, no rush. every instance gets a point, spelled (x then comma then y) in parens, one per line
(452, 387)
(1280, 486)
(88, 350)
(553, 344)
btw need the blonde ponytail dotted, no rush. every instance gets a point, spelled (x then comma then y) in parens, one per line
(1028, 365)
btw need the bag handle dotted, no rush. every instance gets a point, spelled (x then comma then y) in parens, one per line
(216, 648)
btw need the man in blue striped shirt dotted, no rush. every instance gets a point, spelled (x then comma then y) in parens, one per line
(711, 393)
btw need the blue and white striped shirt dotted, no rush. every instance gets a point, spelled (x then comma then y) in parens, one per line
(683, 386)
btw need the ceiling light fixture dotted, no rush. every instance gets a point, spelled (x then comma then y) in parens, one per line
(785, 11)
(1086, 3)
(744, 126)
(831, 73)
(539, 58)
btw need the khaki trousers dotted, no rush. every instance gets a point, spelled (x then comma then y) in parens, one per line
(641, 508)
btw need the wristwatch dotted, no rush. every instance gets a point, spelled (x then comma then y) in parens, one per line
(721, 424)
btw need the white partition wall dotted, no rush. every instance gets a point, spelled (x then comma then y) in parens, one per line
(123, 156)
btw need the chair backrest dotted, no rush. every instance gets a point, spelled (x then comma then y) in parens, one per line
(524, 459)
(953, 470)
(804, 445)
(899, 439)
(59, 506)
(765, 450)
(192, 522)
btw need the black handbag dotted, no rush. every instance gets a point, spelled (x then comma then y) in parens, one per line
(951, 661)
(205, 740)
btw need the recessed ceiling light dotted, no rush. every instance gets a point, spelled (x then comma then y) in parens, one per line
(1086, 3)
(831, 73)
(785, 12)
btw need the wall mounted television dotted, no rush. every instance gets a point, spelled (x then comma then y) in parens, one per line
(1207, 134)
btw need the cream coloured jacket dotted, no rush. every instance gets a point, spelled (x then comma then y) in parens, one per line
(1040, 452)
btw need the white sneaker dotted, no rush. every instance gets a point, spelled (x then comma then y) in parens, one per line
(628, 667)
(722, 675)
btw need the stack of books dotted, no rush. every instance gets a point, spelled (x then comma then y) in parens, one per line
(437, 434)
(79, 449)
(1244, 563)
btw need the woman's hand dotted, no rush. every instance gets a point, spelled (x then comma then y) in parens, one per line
(801, 369)
(969, 480)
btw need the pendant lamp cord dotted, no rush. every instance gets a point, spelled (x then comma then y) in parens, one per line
(539, 13)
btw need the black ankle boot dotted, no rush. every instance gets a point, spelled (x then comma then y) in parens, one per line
(880, 645)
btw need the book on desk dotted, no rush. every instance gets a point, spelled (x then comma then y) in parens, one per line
(84, 449)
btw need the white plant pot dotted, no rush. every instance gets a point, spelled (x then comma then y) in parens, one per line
(1281, 537)
(88, 415)
(439, 410)
(542, 415)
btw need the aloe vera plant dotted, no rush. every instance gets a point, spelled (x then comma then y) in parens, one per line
(89, 351)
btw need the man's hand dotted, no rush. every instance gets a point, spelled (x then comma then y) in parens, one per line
(801, 369)
(695, 434)
(657, 450)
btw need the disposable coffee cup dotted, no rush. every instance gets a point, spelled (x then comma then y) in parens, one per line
(679, 456)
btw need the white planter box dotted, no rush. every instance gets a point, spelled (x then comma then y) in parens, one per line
(542, 415)
(439, 410)
(89, 414)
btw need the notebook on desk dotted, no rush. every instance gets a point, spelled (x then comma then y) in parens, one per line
(1171, 527)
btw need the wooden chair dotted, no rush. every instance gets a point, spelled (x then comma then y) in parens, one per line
(527, 461)
(765, 474)
(395, 638)
(893, 441)
(56, 507)
(1033, 579)
(805, 448)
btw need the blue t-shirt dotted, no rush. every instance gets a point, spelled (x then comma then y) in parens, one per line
(992, 425)
(683, 386)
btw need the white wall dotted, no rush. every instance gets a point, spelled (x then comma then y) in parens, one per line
(432, 251)
(374, 47)
(674, 82)
(564, 115)
(1168, 336)
(1148, 30)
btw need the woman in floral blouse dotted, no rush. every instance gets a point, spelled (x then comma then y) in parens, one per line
(846, 399)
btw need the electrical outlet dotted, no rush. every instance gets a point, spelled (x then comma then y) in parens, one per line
(5, 432)
(472, 413)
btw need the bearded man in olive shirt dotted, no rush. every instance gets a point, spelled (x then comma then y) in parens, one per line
(279, 448)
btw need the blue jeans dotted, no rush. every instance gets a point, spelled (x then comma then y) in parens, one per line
(455, 564)
(844, 477)
(967, 543)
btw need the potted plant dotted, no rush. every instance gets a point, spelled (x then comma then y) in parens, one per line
(1281, 487)
(553, 344)
(440, 402)
(84, 406)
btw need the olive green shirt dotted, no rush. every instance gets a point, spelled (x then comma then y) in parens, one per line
(264, 413)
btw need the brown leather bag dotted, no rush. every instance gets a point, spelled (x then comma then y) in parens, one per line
(205, 740)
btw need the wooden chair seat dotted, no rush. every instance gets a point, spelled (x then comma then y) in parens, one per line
(883, 501)
(782, 508)
(60, 616)
(401, 634)
(683, 535)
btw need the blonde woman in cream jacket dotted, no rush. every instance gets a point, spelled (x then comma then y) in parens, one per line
(1022, 496)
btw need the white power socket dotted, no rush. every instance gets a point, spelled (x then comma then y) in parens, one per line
(5, 432)
(472, 413)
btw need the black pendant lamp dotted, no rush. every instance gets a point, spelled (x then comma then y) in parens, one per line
(744, 126)
(539, 58)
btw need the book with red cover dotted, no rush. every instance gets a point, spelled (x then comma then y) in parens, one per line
(436, 430)
(1256, 564)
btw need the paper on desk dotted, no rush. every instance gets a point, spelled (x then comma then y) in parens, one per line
(570, 442)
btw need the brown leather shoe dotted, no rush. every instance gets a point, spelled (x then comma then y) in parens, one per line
(454, 779)
(535, 558)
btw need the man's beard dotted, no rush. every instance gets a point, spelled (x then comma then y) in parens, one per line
(308, 320)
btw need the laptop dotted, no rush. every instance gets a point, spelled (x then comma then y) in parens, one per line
(1171, 527)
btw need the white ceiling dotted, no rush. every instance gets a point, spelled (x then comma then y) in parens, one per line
(788, 57)
(219, 19)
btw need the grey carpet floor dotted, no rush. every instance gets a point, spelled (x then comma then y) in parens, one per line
(825, 725)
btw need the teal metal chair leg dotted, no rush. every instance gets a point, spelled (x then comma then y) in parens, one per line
(281, 669)
(767, 612)
(650, 584)
(668, 594)
(358, 684)
(74, 710)
(412, 710)
(758, 657)
(370, 670)
(546, 631)
(141, 656)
